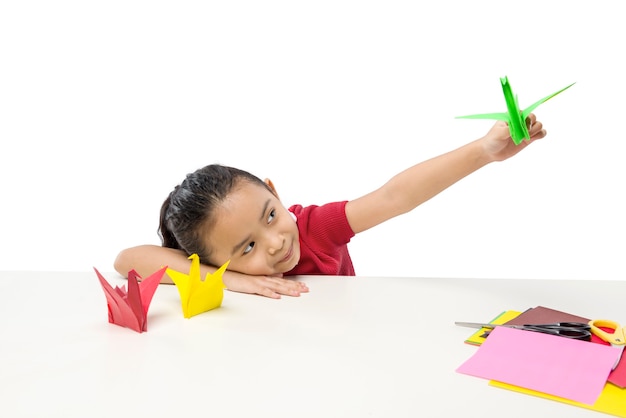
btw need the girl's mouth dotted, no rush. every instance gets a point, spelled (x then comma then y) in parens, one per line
(287, 255)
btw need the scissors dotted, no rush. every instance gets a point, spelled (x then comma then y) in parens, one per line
(574, 330)
(616, 339)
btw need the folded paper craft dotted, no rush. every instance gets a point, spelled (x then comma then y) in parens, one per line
(197, 295)
(515, 117)
(130, 308)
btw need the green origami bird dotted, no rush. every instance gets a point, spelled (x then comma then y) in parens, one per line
(515, 117)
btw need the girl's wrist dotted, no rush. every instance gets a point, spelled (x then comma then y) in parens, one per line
(481, 152)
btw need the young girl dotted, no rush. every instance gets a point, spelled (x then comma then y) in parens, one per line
(225, 214)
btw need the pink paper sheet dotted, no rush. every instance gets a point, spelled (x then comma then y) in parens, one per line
(571, 369)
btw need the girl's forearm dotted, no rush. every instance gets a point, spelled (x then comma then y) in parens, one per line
(421, 182)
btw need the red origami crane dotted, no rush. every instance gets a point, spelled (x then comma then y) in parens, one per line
(130, 309)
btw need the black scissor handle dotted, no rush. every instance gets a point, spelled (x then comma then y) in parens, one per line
(574, 330)
(579, 325)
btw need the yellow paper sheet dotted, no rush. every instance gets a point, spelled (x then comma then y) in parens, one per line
(612, 399)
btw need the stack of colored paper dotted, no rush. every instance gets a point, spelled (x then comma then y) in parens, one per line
(563, 369)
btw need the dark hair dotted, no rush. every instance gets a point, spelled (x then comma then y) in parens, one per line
(189, 208)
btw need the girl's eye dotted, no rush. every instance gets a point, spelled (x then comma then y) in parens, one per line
(248, 248)
(271, 216)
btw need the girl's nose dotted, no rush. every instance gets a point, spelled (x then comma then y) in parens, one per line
(275, 244)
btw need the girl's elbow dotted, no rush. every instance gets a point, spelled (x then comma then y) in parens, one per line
(122, 263)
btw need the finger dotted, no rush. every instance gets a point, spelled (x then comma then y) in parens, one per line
(268, 293)
(538, 135)
(292, 284)
(287, 287)
(536, 127)
(261, 290)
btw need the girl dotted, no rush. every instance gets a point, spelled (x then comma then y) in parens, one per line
(226, 214)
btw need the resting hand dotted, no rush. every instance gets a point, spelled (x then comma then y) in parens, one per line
(498, 143)
(269, 286)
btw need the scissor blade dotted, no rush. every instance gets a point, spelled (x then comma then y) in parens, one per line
(475, 325)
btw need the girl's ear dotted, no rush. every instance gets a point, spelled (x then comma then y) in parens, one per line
(271, 186)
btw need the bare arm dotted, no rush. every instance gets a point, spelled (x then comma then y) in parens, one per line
(419, 183)
(146, 259)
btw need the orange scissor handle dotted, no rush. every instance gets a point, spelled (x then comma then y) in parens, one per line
(616, 338)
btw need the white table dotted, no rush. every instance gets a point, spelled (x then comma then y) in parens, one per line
(352, 347)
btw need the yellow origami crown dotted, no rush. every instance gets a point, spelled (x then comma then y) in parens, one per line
(197, 295)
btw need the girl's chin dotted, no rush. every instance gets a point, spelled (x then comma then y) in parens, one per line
(284, 269)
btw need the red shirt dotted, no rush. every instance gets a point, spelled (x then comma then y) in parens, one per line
(324, 237)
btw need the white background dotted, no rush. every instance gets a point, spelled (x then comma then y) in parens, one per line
(106, 106)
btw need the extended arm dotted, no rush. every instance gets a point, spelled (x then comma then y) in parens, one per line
(146, 259)
(421, 182)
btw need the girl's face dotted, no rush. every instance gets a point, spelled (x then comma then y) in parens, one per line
(255, 232)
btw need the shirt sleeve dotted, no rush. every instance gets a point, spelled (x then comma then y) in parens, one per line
(324, 224)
